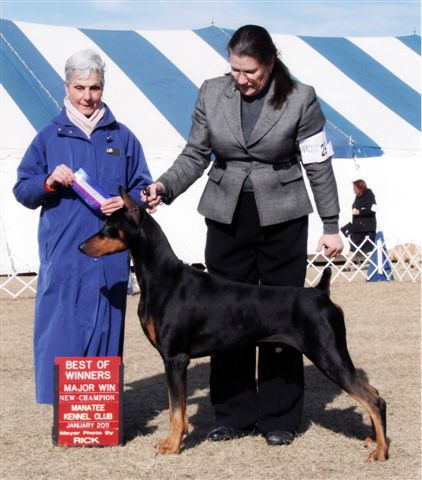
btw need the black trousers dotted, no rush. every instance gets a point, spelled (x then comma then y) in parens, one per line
(275, 255)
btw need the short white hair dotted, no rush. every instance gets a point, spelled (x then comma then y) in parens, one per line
(82, 64)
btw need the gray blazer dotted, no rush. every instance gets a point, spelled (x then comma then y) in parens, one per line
(216, 129)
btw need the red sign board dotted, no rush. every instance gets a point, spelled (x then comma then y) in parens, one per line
(88, 401)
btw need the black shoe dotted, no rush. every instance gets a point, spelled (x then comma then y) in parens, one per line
(279, 437)
(227, 433)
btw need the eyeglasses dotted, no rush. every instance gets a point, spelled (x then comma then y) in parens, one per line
(248, 75)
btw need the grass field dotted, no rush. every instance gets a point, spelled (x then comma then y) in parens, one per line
(383, 322)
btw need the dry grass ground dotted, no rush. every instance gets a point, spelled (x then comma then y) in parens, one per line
(383, 321)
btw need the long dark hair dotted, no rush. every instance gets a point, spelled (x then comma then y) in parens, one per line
(254, 41)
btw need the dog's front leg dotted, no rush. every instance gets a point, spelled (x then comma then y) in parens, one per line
(176, 368)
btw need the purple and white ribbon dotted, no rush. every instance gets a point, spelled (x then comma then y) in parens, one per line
(91, 193)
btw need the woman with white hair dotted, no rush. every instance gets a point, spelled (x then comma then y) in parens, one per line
(81, 301)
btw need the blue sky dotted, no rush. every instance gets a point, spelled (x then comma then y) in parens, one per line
(304, 17)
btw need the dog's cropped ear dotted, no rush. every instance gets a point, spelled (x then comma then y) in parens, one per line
(133, 208)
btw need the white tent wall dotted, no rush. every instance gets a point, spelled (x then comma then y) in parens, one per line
(395, 181)
(18, 239)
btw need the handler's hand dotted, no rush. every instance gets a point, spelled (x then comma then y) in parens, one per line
(355, 211)
(151, 195)
(332, 244)
(62, 175)
(111, 205)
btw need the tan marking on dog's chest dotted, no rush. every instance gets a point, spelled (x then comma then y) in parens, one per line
(148, 326)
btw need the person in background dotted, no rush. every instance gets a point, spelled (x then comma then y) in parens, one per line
(364, 223)
(81, 301)
(260, 124)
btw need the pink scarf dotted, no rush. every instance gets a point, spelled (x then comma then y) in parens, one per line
(86, 124)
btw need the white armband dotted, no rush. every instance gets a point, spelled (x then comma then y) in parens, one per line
(374, 207)
(316, 149)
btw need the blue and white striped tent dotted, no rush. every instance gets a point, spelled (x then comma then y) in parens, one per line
(369, 89)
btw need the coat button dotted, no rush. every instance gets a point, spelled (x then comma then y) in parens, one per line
(70, 131)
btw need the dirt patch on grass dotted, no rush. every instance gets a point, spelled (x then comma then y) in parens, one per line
(383, 324)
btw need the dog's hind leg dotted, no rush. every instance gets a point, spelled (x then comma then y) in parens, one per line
(176, 370)
(329, 353)
(359, 389)
(376, 407)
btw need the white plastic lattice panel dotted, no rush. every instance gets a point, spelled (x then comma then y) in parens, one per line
(15, 285)
(402, 263)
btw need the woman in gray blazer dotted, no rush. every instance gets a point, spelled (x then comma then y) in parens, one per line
(262, 126)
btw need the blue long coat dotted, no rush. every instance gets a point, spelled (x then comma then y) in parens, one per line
(81, 301)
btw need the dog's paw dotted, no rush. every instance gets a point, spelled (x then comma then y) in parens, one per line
(369, 442)
(379, 454)
(166, 447)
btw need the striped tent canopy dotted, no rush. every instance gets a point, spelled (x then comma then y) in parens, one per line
(369, 89)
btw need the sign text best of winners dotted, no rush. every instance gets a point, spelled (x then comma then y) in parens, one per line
(88, 406)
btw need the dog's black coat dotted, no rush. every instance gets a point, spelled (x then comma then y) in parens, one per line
(187, 313)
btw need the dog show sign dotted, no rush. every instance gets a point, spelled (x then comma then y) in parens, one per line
(88, 406)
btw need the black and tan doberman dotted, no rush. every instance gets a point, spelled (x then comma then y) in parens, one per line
(187, 313)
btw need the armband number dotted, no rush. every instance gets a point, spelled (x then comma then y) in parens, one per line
(316, 149)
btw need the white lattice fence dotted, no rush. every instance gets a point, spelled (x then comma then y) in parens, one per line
(402, 264)
(16, 285)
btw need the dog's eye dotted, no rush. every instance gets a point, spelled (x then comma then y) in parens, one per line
(110, 231)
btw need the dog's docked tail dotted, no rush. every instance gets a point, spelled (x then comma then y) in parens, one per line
(324, 282)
